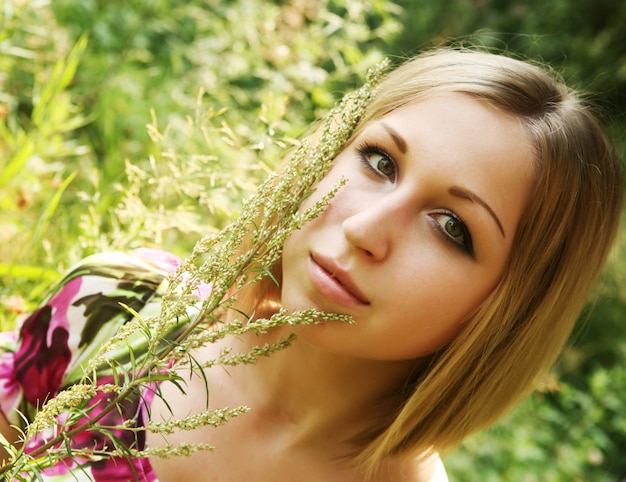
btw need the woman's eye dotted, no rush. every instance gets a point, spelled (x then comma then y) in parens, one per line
(383, 164)
(455, 230)
(377, 161)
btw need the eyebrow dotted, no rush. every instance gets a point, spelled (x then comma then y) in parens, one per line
(465, 194)
(397, 138)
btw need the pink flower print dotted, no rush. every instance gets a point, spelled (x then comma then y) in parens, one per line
(10, 389)
(44, 355)
(119, 469)
(161, 259)
(170, 263)
(104, 468)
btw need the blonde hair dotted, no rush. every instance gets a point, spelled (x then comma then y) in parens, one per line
(560, 246)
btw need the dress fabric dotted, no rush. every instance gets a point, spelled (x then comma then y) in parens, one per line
(49, 349)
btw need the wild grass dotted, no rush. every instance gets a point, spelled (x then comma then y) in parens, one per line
(146, 124)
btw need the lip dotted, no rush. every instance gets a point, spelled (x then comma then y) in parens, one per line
(334, 282)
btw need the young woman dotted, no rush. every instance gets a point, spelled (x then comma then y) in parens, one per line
(474, 185)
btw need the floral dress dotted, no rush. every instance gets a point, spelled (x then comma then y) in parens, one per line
(48, 351)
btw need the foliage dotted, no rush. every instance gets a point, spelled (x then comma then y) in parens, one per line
(568, 435)
(267, 218)
(583, 39)
(222, 104)
(290, 58)
(38, 121)
(134, 123)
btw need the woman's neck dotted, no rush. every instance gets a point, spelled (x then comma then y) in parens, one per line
(318, 395)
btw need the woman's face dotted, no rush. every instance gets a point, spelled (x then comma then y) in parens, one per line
(419, 235)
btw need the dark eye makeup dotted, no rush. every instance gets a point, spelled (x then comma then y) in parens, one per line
(454, 230)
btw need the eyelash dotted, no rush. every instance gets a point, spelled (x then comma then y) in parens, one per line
(465, 245)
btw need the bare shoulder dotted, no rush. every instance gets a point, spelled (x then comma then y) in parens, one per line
(431, 469)
(439, 473)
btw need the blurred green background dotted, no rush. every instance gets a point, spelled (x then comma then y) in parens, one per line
(144, 123)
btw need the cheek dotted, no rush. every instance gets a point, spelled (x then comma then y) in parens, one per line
(437, 308)
(339, 171)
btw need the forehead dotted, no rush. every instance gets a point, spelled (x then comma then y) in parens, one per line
(455, 119)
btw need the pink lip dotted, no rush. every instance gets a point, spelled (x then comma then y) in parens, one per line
(334, 282)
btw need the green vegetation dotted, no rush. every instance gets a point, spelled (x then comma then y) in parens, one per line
(126, 124)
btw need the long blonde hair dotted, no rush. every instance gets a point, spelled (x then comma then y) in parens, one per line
(560, 246)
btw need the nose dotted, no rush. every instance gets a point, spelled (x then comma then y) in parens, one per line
(370, 230)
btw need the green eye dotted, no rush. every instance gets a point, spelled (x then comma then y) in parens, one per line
(376, 161)
(386, 166)
(454, 228)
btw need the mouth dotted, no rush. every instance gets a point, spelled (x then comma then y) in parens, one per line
(334, 282)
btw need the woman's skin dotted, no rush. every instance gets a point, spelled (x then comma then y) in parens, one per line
(409, 247)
